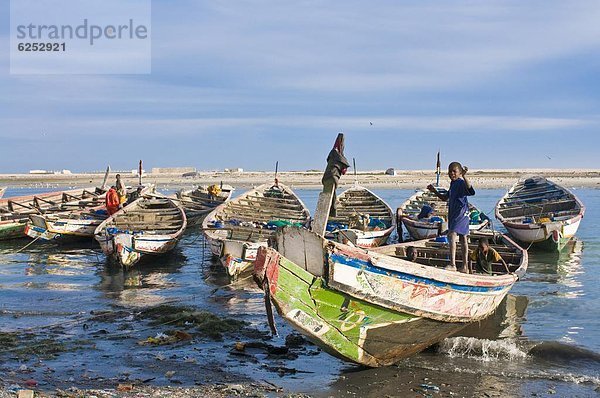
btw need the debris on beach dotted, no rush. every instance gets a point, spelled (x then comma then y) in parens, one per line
(168, 337)
(204, 323)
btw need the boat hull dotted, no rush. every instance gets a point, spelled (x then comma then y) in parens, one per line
(540, 213)
(13, 229)
(422, 229)
(235, 244)
(344, 326)
(413, 288)
(147, 226)
(360, 201)
(61, 229)
(129, 249)
(364, 239)
(236, 257)
(549, 239)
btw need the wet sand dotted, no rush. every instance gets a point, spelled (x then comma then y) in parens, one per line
(412, 179)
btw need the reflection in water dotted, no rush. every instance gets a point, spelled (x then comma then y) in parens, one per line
(146, 284)
(504, 323)
(570, 269)
(552, 262)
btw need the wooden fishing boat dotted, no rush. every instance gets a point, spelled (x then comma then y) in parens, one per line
(79, 223)
(538, 211)
(149, 225)
(15, 211)
(435, 252)
(361, 217)
(2, 190)
(198, 202)
(407, 215)
(368, 307)
(236, 229)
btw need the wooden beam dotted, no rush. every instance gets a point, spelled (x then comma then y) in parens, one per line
(319, 223)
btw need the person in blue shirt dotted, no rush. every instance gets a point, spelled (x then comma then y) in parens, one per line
(458, 212)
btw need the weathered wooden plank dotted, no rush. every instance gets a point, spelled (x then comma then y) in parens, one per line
(319, 223)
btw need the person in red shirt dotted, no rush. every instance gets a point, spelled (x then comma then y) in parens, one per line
(112, 201)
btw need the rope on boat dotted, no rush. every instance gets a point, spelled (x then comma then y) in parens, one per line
(29, 244)
(268, 307)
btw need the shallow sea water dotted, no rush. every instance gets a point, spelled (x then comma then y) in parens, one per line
(547, 332)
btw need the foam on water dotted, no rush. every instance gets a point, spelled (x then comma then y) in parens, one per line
(482, 349)
(547, 360)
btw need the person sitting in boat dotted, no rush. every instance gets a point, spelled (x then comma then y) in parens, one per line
(458, 211)
(214, 191)
(112, 201)
(411, 254)
(426, 212)
(134, 196)
(275, 191)
(484, 256)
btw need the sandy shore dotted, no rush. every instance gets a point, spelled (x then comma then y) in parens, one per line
(413, 179)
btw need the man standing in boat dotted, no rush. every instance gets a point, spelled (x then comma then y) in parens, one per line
(458, 212)
(337, 164)
(121, 190)
(112, 201)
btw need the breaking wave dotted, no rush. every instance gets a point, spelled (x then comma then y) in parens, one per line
(482, 349)
(549, 360)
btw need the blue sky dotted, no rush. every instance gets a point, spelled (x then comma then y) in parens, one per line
(245, 83)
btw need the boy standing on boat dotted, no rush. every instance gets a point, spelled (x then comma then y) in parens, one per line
(458, 212)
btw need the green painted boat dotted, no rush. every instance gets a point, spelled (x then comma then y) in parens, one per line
(12, 228)
(346, 327)
(372, 308)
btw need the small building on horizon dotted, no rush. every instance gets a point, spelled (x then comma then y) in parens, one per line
(172, 170)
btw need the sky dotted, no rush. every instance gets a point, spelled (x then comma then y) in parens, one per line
(493, 84)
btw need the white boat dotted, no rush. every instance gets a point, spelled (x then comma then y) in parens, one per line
(148, 226)
(2, 190)
(200, 201)
(237, 228)
(430, 227)
(362, 218)
(76, 222)
(538, 211)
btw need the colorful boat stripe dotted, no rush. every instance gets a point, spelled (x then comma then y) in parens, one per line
(366, 265)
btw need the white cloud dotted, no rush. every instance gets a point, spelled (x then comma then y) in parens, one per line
(381, 45)
(148, 128)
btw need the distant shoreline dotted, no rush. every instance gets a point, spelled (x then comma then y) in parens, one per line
(411, 179)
